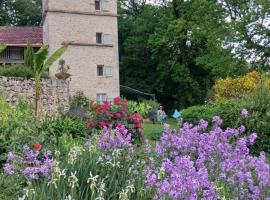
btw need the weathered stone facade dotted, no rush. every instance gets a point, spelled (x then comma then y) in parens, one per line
(54, 94)
(77, 23)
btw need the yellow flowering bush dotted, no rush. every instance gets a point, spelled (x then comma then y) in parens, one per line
(238, 87)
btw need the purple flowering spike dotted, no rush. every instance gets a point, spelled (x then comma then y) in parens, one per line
(217, 121)
(9, 169)
(244, 113)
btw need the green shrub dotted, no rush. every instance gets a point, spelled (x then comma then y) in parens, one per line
(228, 110)
(29, 56)
(19, 70)
(79, 100)
(142, 107)
(16, 71)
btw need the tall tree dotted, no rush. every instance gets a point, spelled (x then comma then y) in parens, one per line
(20, 12)
(175, 50)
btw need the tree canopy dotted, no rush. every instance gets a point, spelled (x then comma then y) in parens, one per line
(177, 49)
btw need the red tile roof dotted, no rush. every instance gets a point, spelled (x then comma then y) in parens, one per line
(19, 36)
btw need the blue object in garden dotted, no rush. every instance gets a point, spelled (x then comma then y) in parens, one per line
(176, 114)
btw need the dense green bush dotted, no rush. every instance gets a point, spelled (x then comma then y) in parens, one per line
(258, 105)
(228, 110)
(142, 107)
(16, 71)
(79, 100)
(19, 70)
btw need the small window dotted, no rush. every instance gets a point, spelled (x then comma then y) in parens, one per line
(97, 4)
(108, 71)
(101, 97)
(99, 38)
(100, 70)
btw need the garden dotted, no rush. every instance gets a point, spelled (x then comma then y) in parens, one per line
(207, 62)
(108, 151)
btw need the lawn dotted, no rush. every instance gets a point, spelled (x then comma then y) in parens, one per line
(153, 132)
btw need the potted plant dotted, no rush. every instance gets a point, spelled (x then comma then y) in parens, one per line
(63, 69)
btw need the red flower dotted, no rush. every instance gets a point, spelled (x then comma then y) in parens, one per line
(124, 103)
(102, 124)
(105, 106)
(139, 125)
(117, 100)
(109, 114)
(37, 147)
(118, 115)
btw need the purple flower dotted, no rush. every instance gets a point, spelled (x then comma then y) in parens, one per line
(252, 138)
(217, 121)
(9, 169)
(242, 129)
(244, 113)
(10, 156)
(88, 143)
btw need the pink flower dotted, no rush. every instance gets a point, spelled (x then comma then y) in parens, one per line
(118, 115)
(117, 100)
(119, 125)
(102, 124)
(110, 115)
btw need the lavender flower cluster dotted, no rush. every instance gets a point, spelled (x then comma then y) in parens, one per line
(112, 139)
(31, 164)
(196, 164)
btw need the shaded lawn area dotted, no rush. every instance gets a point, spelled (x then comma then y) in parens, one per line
(153, 132)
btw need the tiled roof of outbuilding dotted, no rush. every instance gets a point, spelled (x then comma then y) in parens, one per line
(19, 36)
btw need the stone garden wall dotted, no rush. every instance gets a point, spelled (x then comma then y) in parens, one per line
(54, 94)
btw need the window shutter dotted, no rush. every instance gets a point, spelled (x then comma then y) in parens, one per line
(108, 71)
(105, 5)
(107, 39)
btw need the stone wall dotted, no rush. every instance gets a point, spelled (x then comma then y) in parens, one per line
(54, 94)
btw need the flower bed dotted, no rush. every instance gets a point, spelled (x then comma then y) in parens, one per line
(192, 163)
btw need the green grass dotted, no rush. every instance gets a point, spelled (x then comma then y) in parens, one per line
(153, 132)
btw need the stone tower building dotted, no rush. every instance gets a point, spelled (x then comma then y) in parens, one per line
(90, 29)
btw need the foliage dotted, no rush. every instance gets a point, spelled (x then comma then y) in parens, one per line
(63, 68)
(79, 100)
(29, 56)
(41, 64)
(142, 107)
(238, 87)
(16, 70)
(16, 126)
(2, 47)
(179, 48)
(20, 12)
(62, 125)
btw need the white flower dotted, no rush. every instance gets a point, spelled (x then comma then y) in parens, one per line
(92, 179)
(101, 188)
(21, 198)
(73, 180)
(28, 192)
(74, 153)
(57, 154)
(68, 197)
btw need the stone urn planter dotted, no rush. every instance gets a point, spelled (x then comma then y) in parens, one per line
(62, 75)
